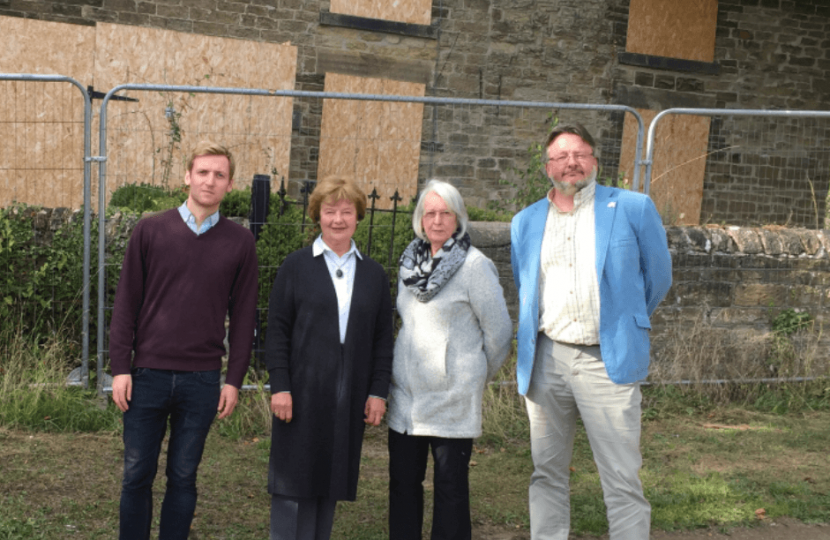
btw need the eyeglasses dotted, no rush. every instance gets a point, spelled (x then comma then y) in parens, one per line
(561, 159)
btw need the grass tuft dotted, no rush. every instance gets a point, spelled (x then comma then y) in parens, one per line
(250, 418)
(504, 416)
(34, 394)
(755, 369)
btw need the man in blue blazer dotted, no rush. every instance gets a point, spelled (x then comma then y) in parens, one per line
(591, 264)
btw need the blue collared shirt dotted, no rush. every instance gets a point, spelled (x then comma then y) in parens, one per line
(190, 220)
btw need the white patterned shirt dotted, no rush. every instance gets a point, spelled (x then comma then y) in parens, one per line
(568, 286)
(344, 284)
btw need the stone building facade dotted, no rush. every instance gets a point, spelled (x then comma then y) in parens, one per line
(767, 54)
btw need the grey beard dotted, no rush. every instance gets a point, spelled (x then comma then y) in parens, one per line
(569, 190)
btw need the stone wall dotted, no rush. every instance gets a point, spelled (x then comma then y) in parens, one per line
(728, 286)
(768, 54)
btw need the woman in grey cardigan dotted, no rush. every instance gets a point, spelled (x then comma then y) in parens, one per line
(456, 334)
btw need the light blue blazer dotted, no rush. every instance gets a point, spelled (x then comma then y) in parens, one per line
(633, 272)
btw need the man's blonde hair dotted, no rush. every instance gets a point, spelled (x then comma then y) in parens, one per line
(210, 148)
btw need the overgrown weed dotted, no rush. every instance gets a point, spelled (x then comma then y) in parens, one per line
(33, 390)
(251, 417)
(774, 370)
(504, 416)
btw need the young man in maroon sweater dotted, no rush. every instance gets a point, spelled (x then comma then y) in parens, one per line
(184, 271)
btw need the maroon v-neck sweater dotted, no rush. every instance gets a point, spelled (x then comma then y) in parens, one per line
(174, 293)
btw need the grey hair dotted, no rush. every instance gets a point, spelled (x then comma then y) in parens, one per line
(451, 197)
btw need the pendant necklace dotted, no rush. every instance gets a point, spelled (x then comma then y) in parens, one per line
(338, 273)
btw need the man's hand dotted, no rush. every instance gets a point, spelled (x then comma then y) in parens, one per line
(227, 400)
(122, 391)
(282, 406)
(374, 411)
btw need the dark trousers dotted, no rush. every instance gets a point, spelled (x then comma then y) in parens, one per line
(301, 519)
(407, 469)
(189, 400)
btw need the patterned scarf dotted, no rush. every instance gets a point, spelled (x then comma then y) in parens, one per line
(424, 274)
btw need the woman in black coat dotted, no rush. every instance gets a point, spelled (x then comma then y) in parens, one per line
(329, 357)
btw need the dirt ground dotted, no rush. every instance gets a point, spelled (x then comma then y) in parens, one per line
(783, 529)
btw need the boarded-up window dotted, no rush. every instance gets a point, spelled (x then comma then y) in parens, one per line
(42, 123)
(673, 29)
(679, 163)
(408, 11)
(376, 143)
(684, 30)
(149, 141)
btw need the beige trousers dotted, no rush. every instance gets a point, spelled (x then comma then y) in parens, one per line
(568, 380)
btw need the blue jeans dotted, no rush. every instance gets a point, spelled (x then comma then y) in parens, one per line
(189, 399)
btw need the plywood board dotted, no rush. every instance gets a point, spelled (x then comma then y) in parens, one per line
(149, 141)
(680, 151)
(41, 123)
(673, 29)
(408, 11)
(376, 143)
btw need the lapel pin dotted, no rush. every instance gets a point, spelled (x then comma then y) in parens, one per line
(612, 204)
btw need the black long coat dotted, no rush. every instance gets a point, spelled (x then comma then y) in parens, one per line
(318, 453)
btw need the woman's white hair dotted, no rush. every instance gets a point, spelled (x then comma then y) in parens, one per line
(450, 196)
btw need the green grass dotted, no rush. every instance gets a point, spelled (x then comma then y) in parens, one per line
(706, 463)
(65, 485)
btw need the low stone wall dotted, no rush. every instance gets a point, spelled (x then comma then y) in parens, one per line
(119, 226)
(729, 283)
(493, 239)
(47, 220)
(733, 275)
(739, 277)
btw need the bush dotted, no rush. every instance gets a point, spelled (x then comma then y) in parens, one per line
(386, 248)
(41, 280)
(479, 214)
(237, 203)
(21, 273)
(281, 235)
(141, 198)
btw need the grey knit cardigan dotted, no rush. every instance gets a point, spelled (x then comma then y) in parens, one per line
(447, 350)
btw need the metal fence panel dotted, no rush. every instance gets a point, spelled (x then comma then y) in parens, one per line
(466, 142)
(30, 141)
(757, 167)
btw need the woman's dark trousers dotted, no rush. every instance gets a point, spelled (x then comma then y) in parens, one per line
(407, 470)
